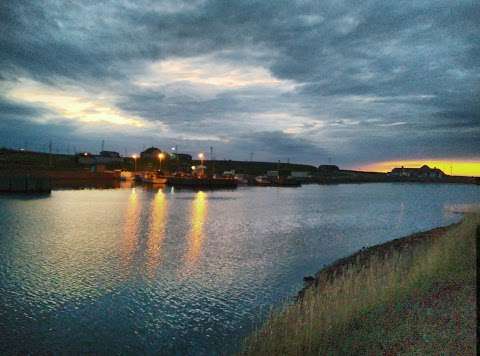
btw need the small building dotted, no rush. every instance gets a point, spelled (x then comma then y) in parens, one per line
(105, 157)
(111, 154)
(300, 174)
(272, 174)
(150, 153)
(230, 173)
(328, 169)
(85, 158)
(422, 172)
(182, 157)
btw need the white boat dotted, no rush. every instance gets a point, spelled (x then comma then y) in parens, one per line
(126, 175)
(154, 178)
(262, 180)
(241, 179)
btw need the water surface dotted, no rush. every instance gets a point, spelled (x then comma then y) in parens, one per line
(182, 272)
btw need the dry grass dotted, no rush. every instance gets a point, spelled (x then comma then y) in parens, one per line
(419, 298)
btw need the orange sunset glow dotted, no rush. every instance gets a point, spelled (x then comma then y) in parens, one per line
(453, 167)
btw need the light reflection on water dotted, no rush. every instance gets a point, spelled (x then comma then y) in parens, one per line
(130, 230)
(156, 233)
(195, 236)
(156, 270)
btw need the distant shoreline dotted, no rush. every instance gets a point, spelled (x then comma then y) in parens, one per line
(70, 167)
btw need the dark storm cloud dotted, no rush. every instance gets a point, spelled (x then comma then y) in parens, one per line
(16, 110)
(377, 73)
(18, 131)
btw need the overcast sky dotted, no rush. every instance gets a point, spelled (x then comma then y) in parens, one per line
(353, 82)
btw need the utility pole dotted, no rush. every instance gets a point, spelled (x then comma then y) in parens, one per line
(103, 145)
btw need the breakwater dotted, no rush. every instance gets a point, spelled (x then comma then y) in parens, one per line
(25, 184)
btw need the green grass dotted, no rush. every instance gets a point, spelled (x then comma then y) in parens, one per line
(418, 298)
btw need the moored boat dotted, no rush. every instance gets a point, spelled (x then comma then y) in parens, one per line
(263, 181)
(204, 182)
(154, 178)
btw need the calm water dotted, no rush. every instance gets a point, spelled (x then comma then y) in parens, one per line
(182, 272)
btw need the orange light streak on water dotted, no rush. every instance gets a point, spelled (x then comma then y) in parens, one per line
(130, 230)
(156, 235)
(196, 235)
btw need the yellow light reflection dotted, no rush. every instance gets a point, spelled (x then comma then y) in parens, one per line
(156, 233)
(456, 167)
(195, 238)
(130, 230)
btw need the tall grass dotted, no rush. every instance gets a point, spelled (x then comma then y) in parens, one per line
(321, 322)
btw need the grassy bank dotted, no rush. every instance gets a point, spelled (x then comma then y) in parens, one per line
(411, 295)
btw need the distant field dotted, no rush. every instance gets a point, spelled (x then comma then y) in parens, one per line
(416, 295)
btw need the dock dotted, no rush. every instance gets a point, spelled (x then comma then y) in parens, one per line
(25, 184)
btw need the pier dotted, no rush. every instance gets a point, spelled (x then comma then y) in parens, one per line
(25, 184)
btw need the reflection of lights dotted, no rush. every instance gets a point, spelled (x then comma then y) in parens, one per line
(195, 239)
(130, 230)
(156, 231)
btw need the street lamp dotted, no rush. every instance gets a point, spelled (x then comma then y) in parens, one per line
(135, 160)
(201, 156)
(161, 156)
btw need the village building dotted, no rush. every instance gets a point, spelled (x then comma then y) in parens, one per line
(422, 172)
(150, 153)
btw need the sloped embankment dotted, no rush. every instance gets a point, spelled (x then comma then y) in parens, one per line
(411, 295)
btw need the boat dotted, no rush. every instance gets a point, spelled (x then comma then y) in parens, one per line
(154, 178)
(127, 176)
(241, 179)
(263, 181)
(202, 183)
(286, 182)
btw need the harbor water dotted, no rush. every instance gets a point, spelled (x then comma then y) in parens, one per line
(164, 271)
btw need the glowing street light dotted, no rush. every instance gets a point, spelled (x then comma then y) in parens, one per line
(201, 156)
(135, 160)
(161, 156)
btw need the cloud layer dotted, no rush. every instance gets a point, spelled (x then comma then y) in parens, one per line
(307, 81)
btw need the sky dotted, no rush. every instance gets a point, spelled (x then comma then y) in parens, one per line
(350, 83)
